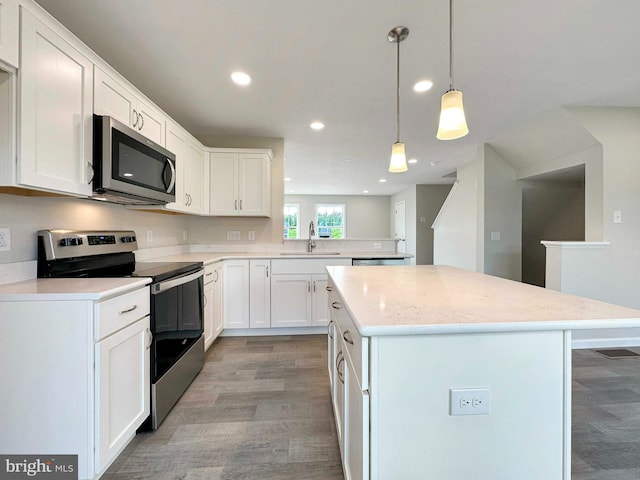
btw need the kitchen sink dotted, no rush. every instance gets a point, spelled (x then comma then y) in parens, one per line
(310, 253)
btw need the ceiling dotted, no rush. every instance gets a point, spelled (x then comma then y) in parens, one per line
(330, 60)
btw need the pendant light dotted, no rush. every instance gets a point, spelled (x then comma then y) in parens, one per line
(398, 163)
(452, 120)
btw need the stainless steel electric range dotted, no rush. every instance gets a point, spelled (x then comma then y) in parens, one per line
(177, 348)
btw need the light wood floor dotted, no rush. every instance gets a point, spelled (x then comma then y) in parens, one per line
(261, 410)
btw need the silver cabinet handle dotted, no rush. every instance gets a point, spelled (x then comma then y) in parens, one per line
(329, 327)
(130, 309)
(217, 276)
(135, 118)
(329, 289)
(141, 122)
(336, 305)
(267, 271)
(341, 361)
(150, 339)
(314, 286)
(208, 274)
(236, 207)
(240, 204)
(308, 286)
(348, 339)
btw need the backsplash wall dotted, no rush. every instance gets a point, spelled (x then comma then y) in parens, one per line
(26, 215)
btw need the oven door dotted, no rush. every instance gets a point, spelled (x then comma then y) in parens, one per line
(177, 312)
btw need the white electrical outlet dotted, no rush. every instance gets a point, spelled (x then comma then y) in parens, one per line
(617, 216)
(5, 239)
(377, 245)
(495, 235)
(149, 236)
(469, 401)
(233, 235)
(184, 235)
(252, 235)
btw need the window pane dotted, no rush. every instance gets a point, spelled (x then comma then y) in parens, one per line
(291, 220)
(330, 219)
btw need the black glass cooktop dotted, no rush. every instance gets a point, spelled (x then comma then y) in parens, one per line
(160, 271)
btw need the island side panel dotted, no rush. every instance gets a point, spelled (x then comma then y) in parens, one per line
(413, 434)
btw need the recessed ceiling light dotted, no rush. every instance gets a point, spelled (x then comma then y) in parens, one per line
(423, 86)
(382, 180)
(287, 179)
(240, 78)
(317, 125)
(365, 191)
(434, 163)
(412, 160)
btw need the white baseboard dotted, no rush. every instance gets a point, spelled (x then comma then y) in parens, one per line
(258, 332)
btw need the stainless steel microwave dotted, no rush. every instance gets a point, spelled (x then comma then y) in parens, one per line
(129, 168)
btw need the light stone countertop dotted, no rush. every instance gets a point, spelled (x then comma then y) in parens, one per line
(59, 289)
(427, 299)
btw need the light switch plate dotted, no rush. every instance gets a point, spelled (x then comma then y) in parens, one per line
(233, 235)
(5, 239)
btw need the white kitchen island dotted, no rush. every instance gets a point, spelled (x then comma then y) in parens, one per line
(408, 345)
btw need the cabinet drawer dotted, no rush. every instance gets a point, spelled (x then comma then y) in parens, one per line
(209, 273)
(355, 346)
(116, 313)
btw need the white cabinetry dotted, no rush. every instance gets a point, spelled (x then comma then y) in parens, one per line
(236, 293)
(259, 294)
(212, 303)
(114, 98)
(240, 182)
(85, 388)
(9, 32)
(298, 291)
(56, 107)
(189, 170)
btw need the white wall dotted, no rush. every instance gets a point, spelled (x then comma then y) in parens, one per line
(409, 197)
(26, 215)
(455, 236)
(367, 216)
(429, 200)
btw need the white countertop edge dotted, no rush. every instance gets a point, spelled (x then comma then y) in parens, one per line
(402, 330)
(555, 244)
(94, 295)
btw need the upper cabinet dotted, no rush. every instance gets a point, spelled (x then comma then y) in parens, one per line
(56, 107)
(240, 182)
(113, 98)
(189, 171)
(9, 32)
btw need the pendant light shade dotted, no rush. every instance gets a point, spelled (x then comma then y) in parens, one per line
(453, 123)
(398, 162)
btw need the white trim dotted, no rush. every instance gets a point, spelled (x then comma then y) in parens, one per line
(444, 205)
(256, 332)
(555, 244)
(566, 408)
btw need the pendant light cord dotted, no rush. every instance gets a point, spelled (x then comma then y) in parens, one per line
(450, 44)
(398, 95)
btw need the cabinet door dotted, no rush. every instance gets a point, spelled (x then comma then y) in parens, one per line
(122, 389)
(176, 143)
(112, 98)
(149, 121)
(218, 311)
(209, 307)
(320, 302)
(290, 300)
(223, 184)
(331, 361)
(254, 185)
(194, 178)
(236, 294)
(259, 294)
(9, 32)
(56, 108)
(355, 451)
(337, 394)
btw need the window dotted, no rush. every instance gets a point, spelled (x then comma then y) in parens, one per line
(330, 220)
(291, 220)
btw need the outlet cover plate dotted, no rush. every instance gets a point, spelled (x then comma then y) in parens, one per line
(469, 401)
(5, 239)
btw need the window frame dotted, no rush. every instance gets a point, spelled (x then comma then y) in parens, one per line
(343, 207)
(297, 215)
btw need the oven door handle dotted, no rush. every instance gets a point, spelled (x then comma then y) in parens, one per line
(174, 282)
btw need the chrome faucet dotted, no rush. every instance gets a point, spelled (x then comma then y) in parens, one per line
(312, 231)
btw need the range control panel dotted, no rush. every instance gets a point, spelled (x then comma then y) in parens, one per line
(59, 244)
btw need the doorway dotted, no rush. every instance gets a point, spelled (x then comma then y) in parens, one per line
(400, 221)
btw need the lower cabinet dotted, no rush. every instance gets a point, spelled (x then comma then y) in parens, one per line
(122, 389)
(259, 294)
(247, 293)
(79, 376)
(212, 303)
(299, 300)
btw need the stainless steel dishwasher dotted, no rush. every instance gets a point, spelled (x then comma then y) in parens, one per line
(378, 261)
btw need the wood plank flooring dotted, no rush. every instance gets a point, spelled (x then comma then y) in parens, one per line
(261, 410)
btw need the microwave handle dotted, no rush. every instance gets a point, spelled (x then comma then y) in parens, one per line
(173, 176)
